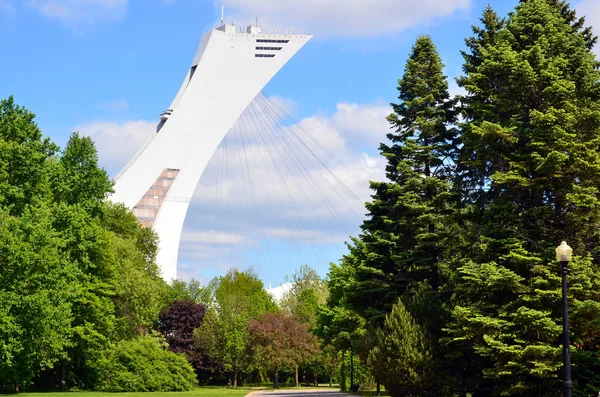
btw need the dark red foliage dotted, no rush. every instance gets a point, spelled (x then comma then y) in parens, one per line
(279, 339)
(177, 323)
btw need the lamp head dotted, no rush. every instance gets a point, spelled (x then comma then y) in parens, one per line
(564, 252)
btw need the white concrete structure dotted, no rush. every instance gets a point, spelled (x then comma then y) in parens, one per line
(230, 68)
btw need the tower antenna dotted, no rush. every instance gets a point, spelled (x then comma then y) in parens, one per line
(222, 14)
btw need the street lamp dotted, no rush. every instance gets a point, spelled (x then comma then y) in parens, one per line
(563, 255)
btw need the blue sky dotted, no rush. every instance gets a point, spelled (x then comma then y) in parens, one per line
(108, 68)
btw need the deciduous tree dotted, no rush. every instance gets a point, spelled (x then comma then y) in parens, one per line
(236, 299)
(35, 312)
(308, 291)
(67, 291)
(177, 322)
(279, 339)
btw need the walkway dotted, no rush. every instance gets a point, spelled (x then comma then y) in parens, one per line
(299, 393)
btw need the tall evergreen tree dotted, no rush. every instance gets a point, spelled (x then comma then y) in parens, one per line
(576, 22)
(471, 169)
(483, 35)
(531, 142)
(400, 244)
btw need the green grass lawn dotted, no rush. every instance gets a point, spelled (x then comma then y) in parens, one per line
(371, 393)
(199, 392)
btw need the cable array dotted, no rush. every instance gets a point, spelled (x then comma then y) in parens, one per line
(282, 196)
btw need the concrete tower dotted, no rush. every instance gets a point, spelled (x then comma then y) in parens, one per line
(230, 68)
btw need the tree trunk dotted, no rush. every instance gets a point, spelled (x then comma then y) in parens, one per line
(351, 368)
(63, 376)
(276, 379)
(297, 383)
(331, 379)
(343, 372)
(316, 379)
(378, 388)
(235, 374)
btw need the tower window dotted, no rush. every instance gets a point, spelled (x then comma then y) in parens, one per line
(271, 41)
(264, 55)
(269, 48)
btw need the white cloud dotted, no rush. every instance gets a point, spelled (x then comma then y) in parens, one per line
(591, 10)
(117, 143)
(285, 187)
(278, 292)
(366, 121)
(209, 237)
(263, 193)
(79, 13)
(349, 18)
(286, 104)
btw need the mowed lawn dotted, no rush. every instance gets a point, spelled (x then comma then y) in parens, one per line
(199, 392)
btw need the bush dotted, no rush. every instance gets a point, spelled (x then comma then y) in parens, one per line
(143, 365)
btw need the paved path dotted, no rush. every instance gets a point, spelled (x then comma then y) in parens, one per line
(299, 393)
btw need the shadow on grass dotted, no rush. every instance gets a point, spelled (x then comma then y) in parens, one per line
(370, 393)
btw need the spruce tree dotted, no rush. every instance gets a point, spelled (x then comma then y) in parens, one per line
(400, 244)
(576, 22)
(402, 356)
(531, 144)
(470, 169)
(483, 36)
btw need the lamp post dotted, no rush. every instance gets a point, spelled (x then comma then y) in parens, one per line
(563, 255)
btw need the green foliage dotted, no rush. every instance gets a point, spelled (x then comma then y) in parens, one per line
(329, 360)
(24, 155)
(464, 230)
(35, 315)
(307, 294)
(586, 367)
(401, 242)
(352, 365)
(191, 290)
(77, 273)
(529, 158)
(78, 179)
(140, 291)
(235, 300)
(209, 340)
(402, 356)
(278, 340)
(144, 365)
(210, 391)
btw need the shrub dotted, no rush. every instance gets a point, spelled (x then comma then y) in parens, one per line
(143, 365)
